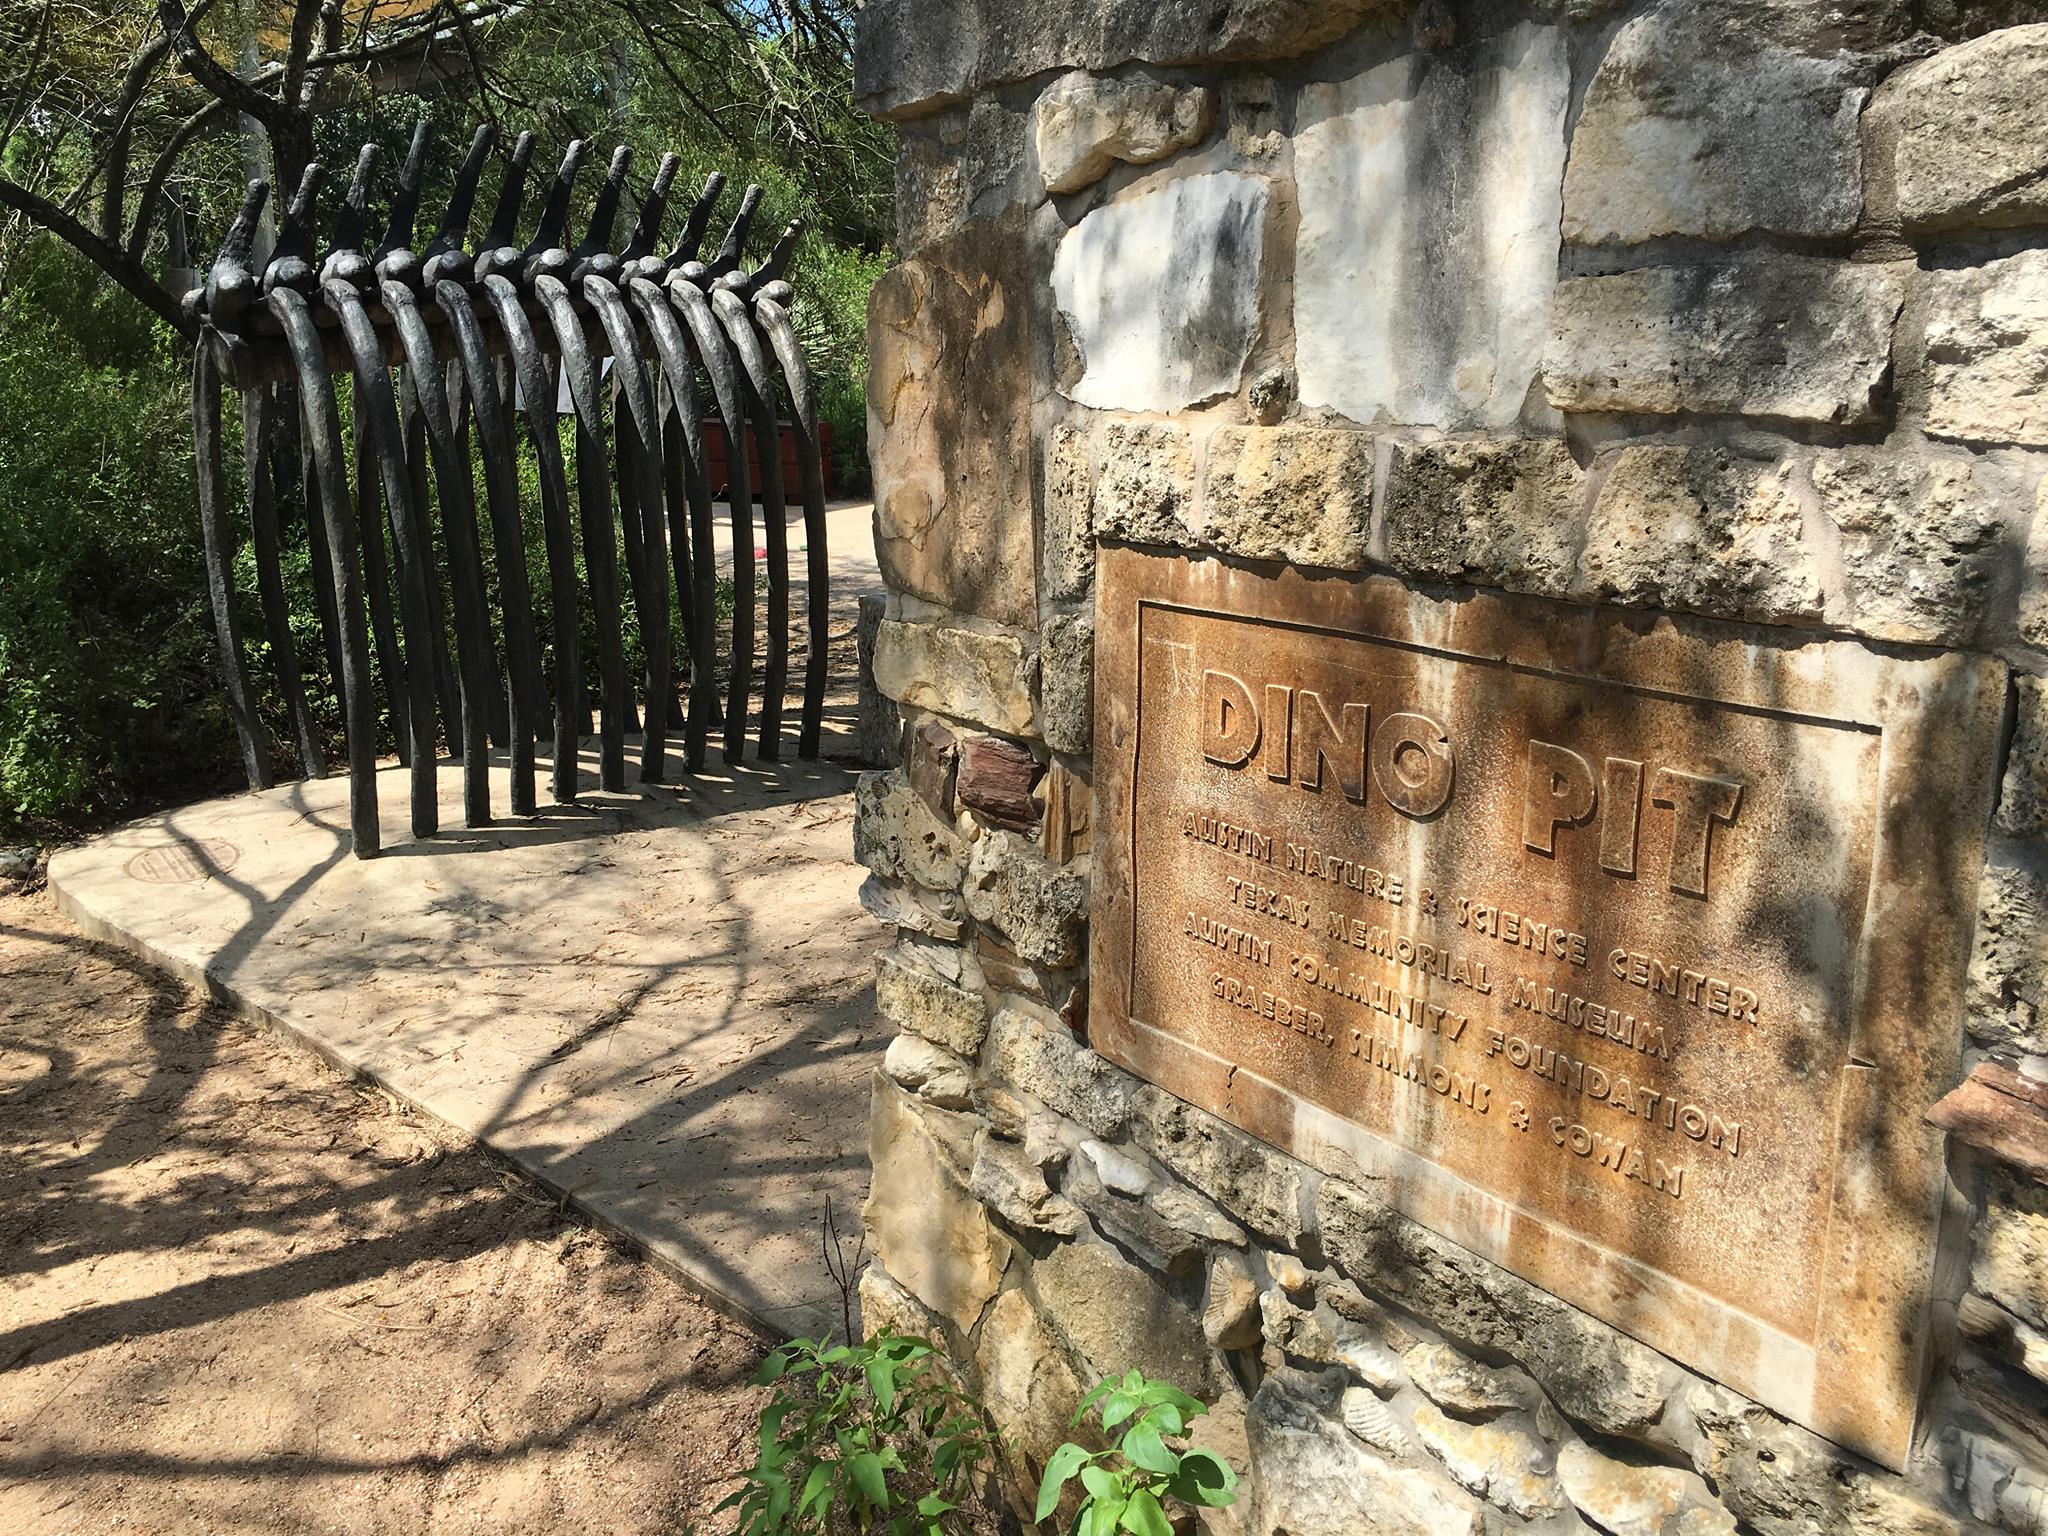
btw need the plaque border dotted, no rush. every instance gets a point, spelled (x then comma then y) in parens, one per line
(1940, 717)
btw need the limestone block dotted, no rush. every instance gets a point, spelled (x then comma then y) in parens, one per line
(896, 835)
(931, 762)
(1260, 1187)
(1230, 1305)
(1311, 1477)
(1924, 551)
(878, 723)
(1053, 1067)
(1083, 124)
(1298, 494)
(1593, 1372)
(971, 674)
(1129, 1220)
(1684, 134)
(1066, 552)
(946, 1015)
(1971, 141)
(1146, 493)
(1067, 681)
(1160, 292)
(1040, 908)
(959, 165)
(2011, 1263)
(1118, 1315)
(2023, 798)
(1005, 1180)
(1503, 513)
(1987, 351)
(1762, 335)
(949, 336)
(1627, 1500)
(936, 914)
(1430, 196)
(1692, 528)
(996, 779)
(1295, 1331)
(926, 1231)
(937, 1076)
(915, 56)
(1448, 1379)
(1026, 1382)
(1503, 1462)
(2009, 955)
(887, 1308)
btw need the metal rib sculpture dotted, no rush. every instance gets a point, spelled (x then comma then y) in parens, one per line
(478, 342)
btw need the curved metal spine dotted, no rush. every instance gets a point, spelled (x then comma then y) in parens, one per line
(796, 373)
(218, 539)
(759, 389)
(377, 579)
(413, 440)
(714, 351)
(475, 658)
(644, 455)
(539, 393)
(258, 404)
(594, 509)
(321, 421)
(373, 395)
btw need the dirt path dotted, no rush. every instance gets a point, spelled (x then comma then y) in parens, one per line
(238, 1293)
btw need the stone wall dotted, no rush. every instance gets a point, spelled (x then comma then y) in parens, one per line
(1736, 308)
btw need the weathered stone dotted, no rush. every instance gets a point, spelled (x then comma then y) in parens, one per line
(937, 1076)
(1302, 494)
(1763, 335)
(1290, 1274)
(949, 335)
(896, 835)
(2009, 956)
(1230, 1306)
(1050, 1139)
(1924, 551)
(1430, 195)
(1504, 513)
(2023, 799)
(914, 56)
(1783, 1480)
(996, 779)
(1119, 1172)
(1370, 1360)
(1595, 1373)
(1192, 1214)
(1639, 1501)
(2001, 1484)
(1970, 140)
(1005, 1180)
(1161, 292)
(2033, 604)
(959, 165)
(1250, 1180)
(1040, 908)
(1146, 491)
(931, 762)
(943, 1014)
(1378, 1425)
(1684, 134)
(971, 674)
(927, 1232)
(877, 722)
(1501, 1462)
(1987, 351)
(1311, 1477)
(1051, 1066)
(1083, 124)
(1066, 551)
(937, 914)
(1295, 1331)
(1693, 529)
(1026, 1382)
(1067, 680)
(1448, 1379)
(1118, 1317)
(1128, 1219)
(2011, 1262)
(887, 1308)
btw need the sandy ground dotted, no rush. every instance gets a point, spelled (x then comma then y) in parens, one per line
(240, 1293)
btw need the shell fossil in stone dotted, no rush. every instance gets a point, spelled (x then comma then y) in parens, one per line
(1372, 1421)
(1371, 1361)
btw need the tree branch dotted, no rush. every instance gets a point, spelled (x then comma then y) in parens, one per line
(110, 259)
(214, 76)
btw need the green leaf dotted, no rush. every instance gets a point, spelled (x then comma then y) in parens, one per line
(1205, 1478)
(1117, 1407)
(1167, 1420)
(881, 1373)
(1102, 1516)
(1064, 1463)
(1143, 1516)
(1100, 1481)
(931, 1506)
(1094, 1393)
(772, 1368)
(1144, 1447)
(814, 1486)
(867, 1477)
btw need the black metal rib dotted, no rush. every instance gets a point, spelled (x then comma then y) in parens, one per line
(321, 421)
(219, 539)
(758, 385)
(796, 374)
(258, 405)
(377, 580)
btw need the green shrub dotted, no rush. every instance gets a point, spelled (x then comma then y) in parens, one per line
(1130, 1486)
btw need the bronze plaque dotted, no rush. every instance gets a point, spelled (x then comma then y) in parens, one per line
(1626, 951)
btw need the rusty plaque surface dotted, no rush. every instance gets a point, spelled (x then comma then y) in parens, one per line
(1625, 951)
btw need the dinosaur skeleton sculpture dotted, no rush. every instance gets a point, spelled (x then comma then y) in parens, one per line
(476, 339)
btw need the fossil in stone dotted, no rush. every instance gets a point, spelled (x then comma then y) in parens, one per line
(1373, 1421)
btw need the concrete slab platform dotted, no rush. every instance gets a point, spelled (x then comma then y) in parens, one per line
(658, 1003)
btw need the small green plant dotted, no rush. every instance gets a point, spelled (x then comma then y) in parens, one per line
(1127, 1487)
(864, 1437)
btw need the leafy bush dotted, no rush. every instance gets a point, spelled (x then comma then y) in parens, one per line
(1128, 1487)
(860, 1437)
